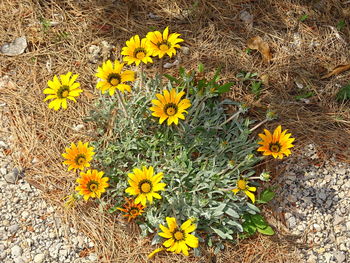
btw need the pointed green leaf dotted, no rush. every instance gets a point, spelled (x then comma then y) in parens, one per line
(266, 231)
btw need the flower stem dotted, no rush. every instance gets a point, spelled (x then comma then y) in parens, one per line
(121, 101)
(231, 118)
(258, 125)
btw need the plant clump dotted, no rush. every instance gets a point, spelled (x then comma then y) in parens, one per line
(179, 153)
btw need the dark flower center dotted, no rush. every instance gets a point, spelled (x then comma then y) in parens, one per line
(134, 212)
(275, 147)
(145, 186)
(170, 109)
(63, 92)
(92, 186)
(114, 79)
(80, 159)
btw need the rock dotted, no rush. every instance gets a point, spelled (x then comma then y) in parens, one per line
(16, 251)
(340, 256)
(10, 178)
(185, 50)
(341, 171)
(348, 225)
(3, 171)
(12, 229)
(39, 258)
(246, 17)
(18, 260)
(291, 222)
(3, 145)
(317, 227)
(16, 47)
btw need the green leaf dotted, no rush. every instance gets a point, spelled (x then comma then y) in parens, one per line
(341, 24)
(222, 234)
(171, 78)
(200, 68)
(266, 196)
(343, 93)
(303, 17)
(266, 231)
(253, 208)
(225, 88)
(304, 95)
(259, 221)
(232, 213)
(249, 228)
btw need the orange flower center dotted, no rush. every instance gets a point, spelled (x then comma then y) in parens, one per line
(241, 184)
(114, 79)
(140, 55)
(163, 47)
(146, 187)
(170, 109)
(275, 147)
(178, 235)
(63, 92)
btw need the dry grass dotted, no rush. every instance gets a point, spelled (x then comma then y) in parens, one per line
(302, 52)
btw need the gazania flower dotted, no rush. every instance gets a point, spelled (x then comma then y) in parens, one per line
(62, 89)
(92, 184)
(131, 209)
(179, 238)
(170, 106)
(161, 44)
(136, 51)
(113, 78)
(78, 156)
(242, 186)
(276, 144)
(145, 185)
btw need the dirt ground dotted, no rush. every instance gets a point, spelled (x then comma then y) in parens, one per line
(307, 40)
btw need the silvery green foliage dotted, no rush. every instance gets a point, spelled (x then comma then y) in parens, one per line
(201, 158)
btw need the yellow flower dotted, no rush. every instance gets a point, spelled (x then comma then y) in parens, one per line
(276, 144)
(170, 106)
(92, 184)
(62, 90)
(78, 156)
(113, 78)
(136, 51)
(157, 250)
(161, 44)
(145, 185)
(179, 238)
(242, 185)
(70, 200)
(131, 209)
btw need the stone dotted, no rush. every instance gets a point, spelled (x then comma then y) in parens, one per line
(11, 177)
(13, 228)
(291, 222)
(39, 258)
(3, 145)
(3, 171)
(340, 256)
(16, 47)
(18, 260)
(16, 251)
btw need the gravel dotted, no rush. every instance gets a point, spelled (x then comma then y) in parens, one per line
(316, 205)
(30, 230)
